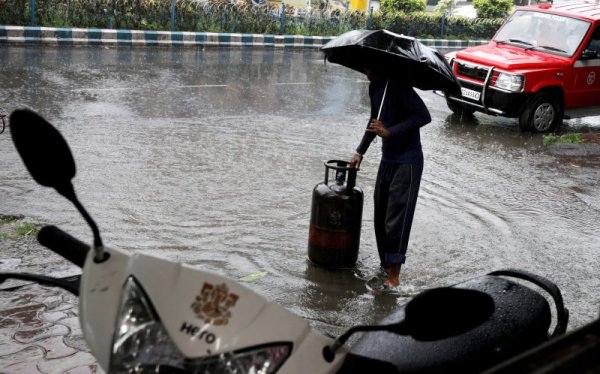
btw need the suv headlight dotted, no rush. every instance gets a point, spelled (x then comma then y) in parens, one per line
(142, 345)
(510, 82)
(448, 59)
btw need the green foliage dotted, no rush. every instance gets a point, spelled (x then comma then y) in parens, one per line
(465, 28)
(492, 8)
(405, 6)
(190, 15)
(12, 229)
(429, 25)
(15, 12)
(566, 138)
(320, 22)
(4, 220)
(445, 7)
(27, 229)
(222, 16)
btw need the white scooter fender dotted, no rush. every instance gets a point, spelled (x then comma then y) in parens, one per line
(199, 317)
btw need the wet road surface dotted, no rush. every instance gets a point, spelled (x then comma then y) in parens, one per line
(210, 157)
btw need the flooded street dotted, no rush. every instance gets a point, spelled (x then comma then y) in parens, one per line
(210, 157)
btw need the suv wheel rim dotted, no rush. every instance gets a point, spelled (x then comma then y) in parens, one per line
(543, 117)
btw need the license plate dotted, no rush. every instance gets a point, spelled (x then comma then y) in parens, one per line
(470, 94)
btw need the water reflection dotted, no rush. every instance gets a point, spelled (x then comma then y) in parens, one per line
(340, 296)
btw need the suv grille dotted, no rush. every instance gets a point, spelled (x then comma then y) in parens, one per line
(472, 71)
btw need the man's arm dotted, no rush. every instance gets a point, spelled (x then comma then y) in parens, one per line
(365, 142)
(418, 113)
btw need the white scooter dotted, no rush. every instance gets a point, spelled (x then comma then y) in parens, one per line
(143, 314)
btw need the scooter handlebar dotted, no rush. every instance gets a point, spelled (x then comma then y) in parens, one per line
(64, 244)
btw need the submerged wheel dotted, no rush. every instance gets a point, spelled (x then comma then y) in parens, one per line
(458, 108)
(543, 114)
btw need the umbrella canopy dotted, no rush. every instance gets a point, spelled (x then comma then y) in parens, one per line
(395, 55)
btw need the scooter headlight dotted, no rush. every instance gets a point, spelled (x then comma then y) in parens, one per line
(142, 345)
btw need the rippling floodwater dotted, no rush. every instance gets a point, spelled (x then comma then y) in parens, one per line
(210, 157)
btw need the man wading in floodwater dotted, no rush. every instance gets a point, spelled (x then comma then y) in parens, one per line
(397, 114)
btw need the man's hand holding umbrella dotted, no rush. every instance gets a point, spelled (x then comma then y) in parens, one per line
(376, 127)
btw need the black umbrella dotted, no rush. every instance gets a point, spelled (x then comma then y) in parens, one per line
(398, 56)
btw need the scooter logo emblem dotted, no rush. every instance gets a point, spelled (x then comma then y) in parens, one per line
(213, 303)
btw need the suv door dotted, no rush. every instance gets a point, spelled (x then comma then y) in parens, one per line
(587, 75)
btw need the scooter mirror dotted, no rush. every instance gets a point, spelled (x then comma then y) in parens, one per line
(443, 312)
(44, 151)
(50, 162)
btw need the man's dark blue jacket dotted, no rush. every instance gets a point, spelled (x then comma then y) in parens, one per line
(403, 114)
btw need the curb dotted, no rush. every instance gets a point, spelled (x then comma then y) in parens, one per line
(80, 36)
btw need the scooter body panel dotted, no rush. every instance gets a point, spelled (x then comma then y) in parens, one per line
(521, 320)
(99, 298)
(204, 313)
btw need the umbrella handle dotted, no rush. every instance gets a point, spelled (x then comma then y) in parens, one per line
(382, 99)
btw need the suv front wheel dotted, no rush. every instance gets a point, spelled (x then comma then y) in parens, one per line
(543, 114)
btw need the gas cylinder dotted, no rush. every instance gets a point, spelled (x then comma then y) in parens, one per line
(336, 218)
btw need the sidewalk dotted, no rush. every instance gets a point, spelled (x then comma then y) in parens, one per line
(39, 325)
(16, 35)
(40, 333)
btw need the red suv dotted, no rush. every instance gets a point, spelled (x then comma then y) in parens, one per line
(542, 66)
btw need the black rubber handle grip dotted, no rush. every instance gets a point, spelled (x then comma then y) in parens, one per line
(64, 244)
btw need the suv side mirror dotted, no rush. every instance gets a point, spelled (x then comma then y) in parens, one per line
(588, 54)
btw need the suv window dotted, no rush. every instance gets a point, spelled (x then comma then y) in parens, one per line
(543, 32)
(594, 44)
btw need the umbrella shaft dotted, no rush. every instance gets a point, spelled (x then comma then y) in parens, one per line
(382, 99)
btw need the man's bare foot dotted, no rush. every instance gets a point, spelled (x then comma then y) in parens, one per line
(393, 276)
